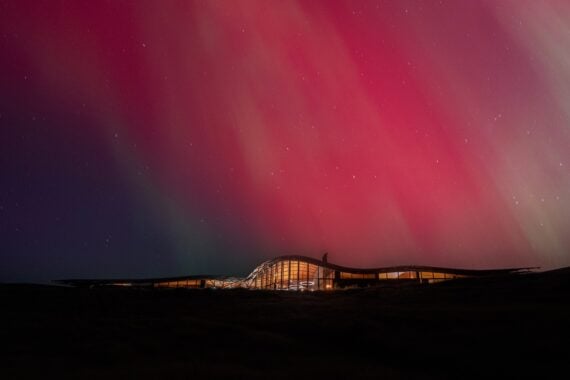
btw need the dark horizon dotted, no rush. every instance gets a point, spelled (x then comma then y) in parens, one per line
(396, 332)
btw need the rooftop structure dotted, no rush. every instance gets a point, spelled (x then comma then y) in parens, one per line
(303, 273)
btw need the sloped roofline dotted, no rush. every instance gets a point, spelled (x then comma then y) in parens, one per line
(400, 268)
(310, 260)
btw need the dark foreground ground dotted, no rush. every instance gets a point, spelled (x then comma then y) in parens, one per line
(502, 327)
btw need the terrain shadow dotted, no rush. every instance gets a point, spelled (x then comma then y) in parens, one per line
(511, 326)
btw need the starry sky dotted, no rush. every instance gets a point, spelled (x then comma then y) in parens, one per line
(164, 138)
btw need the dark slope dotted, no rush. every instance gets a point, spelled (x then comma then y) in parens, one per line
(511, 326)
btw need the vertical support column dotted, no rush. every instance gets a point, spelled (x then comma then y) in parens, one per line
(307, 278)
(288, 274)
(274, 276)
(298, 274)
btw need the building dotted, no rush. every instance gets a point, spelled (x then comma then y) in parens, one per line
(304, 273)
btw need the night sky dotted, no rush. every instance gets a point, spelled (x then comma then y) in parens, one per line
(164, 138)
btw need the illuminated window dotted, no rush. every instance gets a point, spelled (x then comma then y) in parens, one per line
(360, 276)
(193, 283)
(407, 275)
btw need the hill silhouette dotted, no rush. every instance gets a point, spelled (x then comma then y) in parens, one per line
(512, 326)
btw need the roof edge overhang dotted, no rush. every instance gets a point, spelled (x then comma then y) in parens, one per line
(310, 260)
(400, 268)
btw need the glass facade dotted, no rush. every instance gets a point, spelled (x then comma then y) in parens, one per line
(290, 274)
(178, 284)
(303, 273)
(296, 273)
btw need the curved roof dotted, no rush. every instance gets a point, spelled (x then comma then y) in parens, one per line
(401, 268)
(310, 260)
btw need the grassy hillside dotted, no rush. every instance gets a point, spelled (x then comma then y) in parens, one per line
(510, 326)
